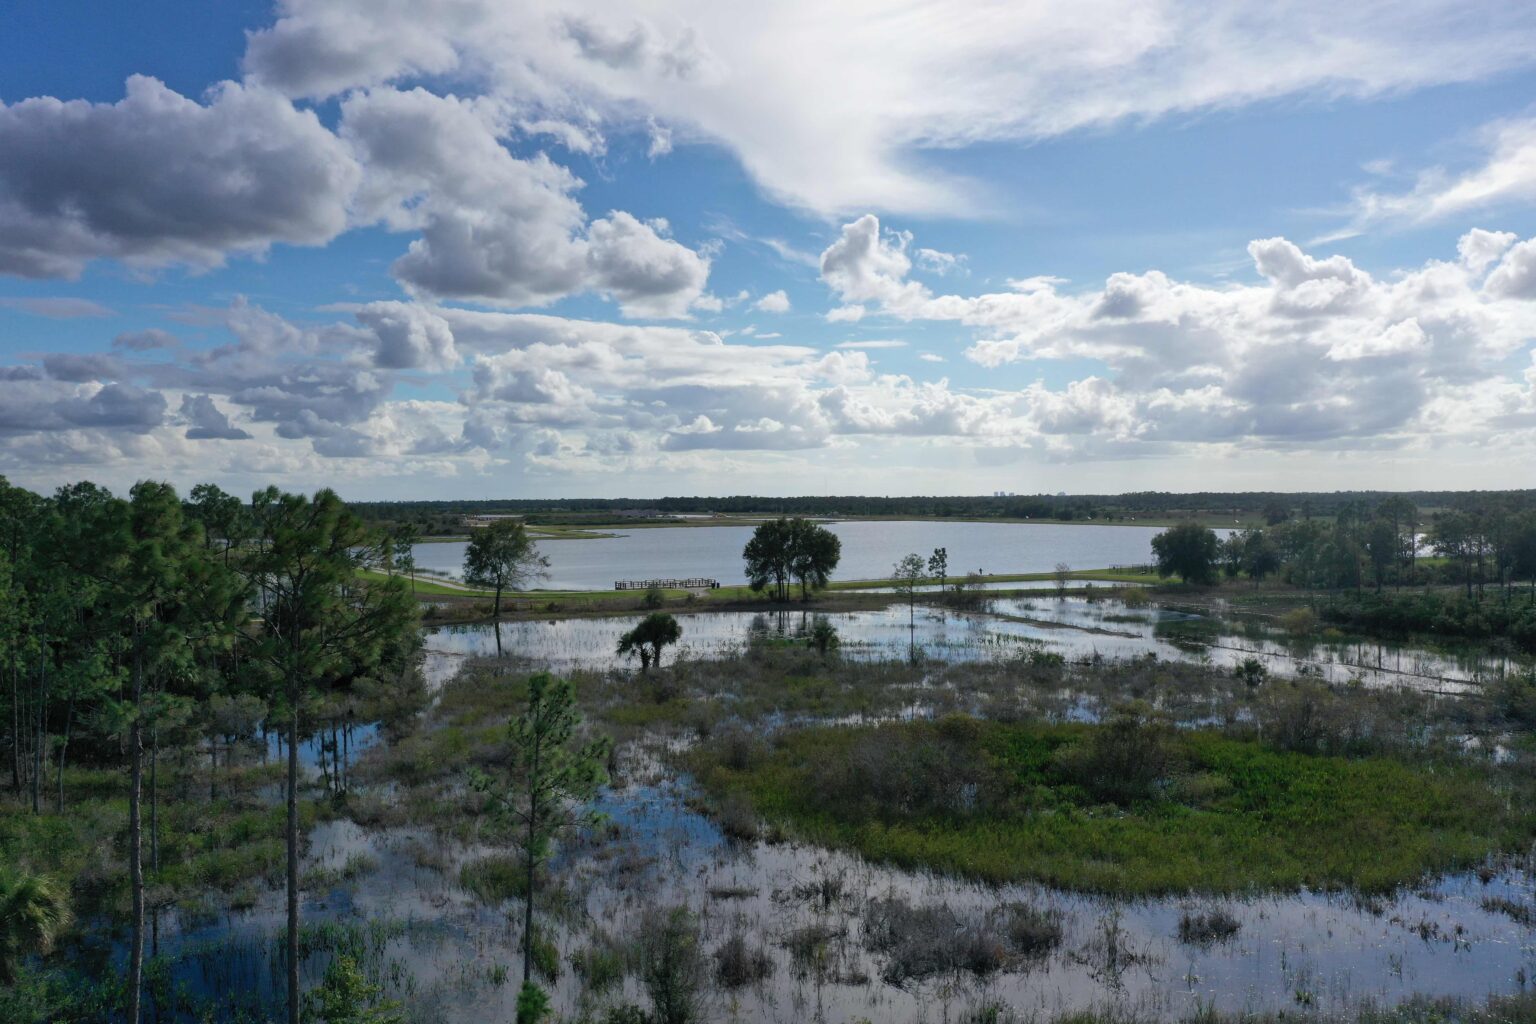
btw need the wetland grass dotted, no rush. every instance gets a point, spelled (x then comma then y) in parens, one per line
(1130, 809)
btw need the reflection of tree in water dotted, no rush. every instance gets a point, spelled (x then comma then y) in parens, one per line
(785, 625)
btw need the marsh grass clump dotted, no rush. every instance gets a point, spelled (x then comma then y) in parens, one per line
(1138, 807)
(739, 964)
(495, 879)
(1109, 953)
(737, 818)
(824, 892)
(599, 964)
(814, 949)
(1207, 927)
(1521, 913)
(732, 892)
(919, 942)
(1029, 931)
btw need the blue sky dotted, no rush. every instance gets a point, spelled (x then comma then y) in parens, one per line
(450, 249)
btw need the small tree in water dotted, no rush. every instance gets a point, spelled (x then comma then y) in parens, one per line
(345, 996)
(647, 639)
(906, 576)
(548, 779)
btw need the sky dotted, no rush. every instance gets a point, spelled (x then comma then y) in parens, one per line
(420, 249)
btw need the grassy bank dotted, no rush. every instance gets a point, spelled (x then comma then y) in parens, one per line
(538, 603)
(1130, 808)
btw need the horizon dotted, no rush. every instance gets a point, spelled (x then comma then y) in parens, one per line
(579, 251)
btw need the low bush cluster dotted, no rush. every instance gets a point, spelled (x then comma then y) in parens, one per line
(1441, 614)
(1134, 805)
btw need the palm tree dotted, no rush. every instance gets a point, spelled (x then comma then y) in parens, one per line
(654, 632)
(34, 909)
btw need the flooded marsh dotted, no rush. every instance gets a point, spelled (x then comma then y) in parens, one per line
(403, 871)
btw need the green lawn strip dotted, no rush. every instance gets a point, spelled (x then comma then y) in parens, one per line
(425, 586)
(1269, 820)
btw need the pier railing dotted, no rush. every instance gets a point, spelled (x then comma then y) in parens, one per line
(693, 583)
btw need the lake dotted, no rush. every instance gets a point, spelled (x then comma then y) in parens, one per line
(870, 549)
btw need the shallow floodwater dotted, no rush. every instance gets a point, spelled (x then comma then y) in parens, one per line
(1305, 951)
(453, 960)
(870, 549)
(1073, 627)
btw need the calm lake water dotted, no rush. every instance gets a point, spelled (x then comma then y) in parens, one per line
(870, 549)
(1010, 626)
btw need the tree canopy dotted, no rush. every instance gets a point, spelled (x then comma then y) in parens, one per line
(503, 557)
(1189, 551)
(650, 635)
(784, 550)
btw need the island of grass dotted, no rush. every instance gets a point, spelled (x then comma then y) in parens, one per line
(1130, 808)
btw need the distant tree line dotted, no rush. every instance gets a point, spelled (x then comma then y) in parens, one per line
(1368, 550)
(134, 625)
(446, 517)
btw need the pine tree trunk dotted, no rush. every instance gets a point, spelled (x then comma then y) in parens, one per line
(69, 721)
(154, 800)
(293, 858)
(528, 908)
(135, 848)
(15, 725)
(41, 735)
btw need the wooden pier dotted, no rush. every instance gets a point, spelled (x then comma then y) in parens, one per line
(695, 583)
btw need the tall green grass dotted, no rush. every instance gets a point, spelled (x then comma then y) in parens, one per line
(1006, 802)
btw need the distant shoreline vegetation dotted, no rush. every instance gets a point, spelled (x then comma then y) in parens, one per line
(1153, 508)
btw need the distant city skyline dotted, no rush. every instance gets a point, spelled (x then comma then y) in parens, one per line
(460, 248)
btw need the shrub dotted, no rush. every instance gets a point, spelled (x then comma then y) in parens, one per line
(738, 964)
(671, 967)
(532, 1004)
(737, 818)
(1205, 928)
(628, 1013)
(824, 637)
(600, 965)
(1029, 930)
(919, 942)
(1299, 621)
(1251, 671)
(1121, 763)
(1515, 697)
